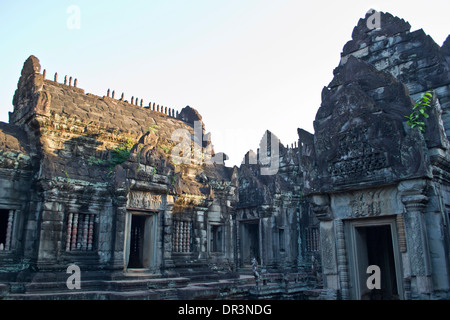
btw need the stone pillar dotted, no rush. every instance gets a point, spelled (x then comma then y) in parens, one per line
(202, 233)
(328, 245)
(9, 230)
(51, 231)
(418, 252)
(341, 253)
(167, 234)
(117, 247)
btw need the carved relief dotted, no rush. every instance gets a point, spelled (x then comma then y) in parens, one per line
(144, 200)
(355, 156)
(366, 204)
(327, 248)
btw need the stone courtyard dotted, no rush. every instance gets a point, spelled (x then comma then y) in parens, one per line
(137, 198)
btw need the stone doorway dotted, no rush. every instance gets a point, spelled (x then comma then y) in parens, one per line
(140, 240)
(249, 242)
(137, 241)
(375, 243)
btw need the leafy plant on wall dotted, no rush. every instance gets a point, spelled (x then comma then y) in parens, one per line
(416, 118)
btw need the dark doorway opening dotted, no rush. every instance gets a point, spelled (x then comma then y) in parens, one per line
(376, 241)
(216, 238)
(137, 241)
(250, 242)
(4, 214)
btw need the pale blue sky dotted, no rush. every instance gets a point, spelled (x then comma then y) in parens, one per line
(245, 65)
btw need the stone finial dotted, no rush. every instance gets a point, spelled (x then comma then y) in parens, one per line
(154, 106)
(65, 80)
(113, 94)
(107, 93)
(31, 66)
(165, 110)
(177, 114)
(75, 82)
(132, 100)
(121, 97)
(142, 102)
(157, 107)
(56, 77)
(70, 81)
(44, 73)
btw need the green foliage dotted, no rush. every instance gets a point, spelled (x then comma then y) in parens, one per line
(415, 119)
(166, 149)
(95, 161)
(139, 157)
(153, 128)
(154, 171)
(120, 154)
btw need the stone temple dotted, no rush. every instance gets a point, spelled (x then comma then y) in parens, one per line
(136, 197)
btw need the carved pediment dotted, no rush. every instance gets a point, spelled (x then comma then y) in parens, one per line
(361, 139)
(144, 200)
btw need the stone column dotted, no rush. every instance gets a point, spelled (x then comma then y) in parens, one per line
(342, 259)
(202, 233)
(119, 229)
(328, 244)
(167, 234)
(415, 203)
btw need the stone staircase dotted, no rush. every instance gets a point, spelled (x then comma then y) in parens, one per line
(186, 284)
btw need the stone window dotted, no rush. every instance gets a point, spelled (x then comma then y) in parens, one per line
(80, 232)
(6, 229)
(281, 240)
(216, 238)
(312, 239)
(182, 236)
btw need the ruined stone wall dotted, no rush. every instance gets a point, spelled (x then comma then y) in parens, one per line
(73, 136)
(274, 200)
(412, 57)
(366, 169)
(18, 229)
